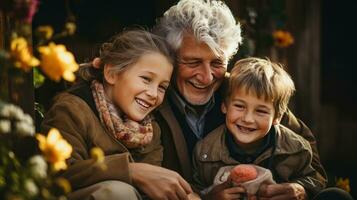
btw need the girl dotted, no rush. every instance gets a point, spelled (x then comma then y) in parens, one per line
(110, 109)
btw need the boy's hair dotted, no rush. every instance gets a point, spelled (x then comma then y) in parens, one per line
(124, 50)
(209, 21)
(265, 78)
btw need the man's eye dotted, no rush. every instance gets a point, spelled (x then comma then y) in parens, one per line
(191, 64)
(217, 64)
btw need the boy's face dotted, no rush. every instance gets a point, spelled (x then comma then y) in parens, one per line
(248, 117)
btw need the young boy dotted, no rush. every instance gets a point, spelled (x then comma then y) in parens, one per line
(257, 95)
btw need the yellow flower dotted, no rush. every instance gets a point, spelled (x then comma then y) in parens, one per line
(57, 62)
(343, 184)
(55, 149)
(20, 52)
(70, 27)
(97, 154)
(45, 32)
(63, 184)
(283, 38)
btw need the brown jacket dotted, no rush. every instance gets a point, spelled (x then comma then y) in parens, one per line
(81, 127)
(176, 156)
(290, 161)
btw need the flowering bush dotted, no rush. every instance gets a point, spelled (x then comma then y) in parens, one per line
(29, 162)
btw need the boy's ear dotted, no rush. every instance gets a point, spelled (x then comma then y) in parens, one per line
(276, 121)
(223, 107)
(109, 76)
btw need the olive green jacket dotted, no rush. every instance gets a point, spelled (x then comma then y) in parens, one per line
(289, 160)
(176, 156)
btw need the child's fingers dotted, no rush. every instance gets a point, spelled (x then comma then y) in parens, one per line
(235, 190)
(235, 196)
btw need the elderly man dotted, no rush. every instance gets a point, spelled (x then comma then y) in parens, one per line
(205, 35)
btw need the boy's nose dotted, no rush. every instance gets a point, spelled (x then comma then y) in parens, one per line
(248, 117)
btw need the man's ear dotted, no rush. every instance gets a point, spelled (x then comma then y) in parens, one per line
(109, 76)
(223, 107)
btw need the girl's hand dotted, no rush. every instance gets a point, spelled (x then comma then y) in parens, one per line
(225, 191)
(159, 183)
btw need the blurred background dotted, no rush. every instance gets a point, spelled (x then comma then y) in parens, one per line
(314, 40)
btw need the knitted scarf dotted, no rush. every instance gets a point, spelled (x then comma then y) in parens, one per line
(130, 133)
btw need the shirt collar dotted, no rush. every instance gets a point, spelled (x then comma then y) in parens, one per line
(183, 106)
(240, 155)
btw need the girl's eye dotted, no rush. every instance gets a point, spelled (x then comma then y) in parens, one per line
(146, 79)
(162, 88)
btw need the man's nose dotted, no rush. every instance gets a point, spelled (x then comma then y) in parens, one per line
(205, 74)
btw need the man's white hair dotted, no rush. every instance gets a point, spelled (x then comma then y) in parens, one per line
(210, 21)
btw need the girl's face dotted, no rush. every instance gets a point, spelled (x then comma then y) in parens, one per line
(141, 87)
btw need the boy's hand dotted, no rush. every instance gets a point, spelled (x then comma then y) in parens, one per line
(225, 191)
(158, 182)
(288, 191)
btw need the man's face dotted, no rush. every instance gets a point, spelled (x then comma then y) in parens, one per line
(200, 72)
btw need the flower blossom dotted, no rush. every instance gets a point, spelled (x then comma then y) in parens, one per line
(38, 166)
(55, 149)
(283, 38)
(343, 184)
(21, 54)
(57, 62)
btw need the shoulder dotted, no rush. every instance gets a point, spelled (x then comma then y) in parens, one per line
(70, 103)
(212, 142)
(289, 142)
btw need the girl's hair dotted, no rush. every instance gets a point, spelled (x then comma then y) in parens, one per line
(265, 79)
(209, 21)
(124, 50)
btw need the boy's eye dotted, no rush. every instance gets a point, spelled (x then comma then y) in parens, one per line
(239, 106)
(263, 111)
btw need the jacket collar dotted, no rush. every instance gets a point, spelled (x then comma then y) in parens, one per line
(178, 138)
(220, 151)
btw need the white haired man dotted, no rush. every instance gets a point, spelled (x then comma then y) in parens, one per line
(205, 35)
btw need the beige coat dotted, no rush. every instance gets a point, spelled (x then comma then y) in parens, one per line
(291, 160)
(80, 126)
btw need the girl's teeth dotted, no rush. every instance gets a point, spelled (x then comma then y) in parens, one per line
(142, 103)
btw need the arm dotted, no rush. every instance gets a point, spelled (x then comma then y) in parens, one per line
(296, 125)
(300, 179)
(71, 116)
